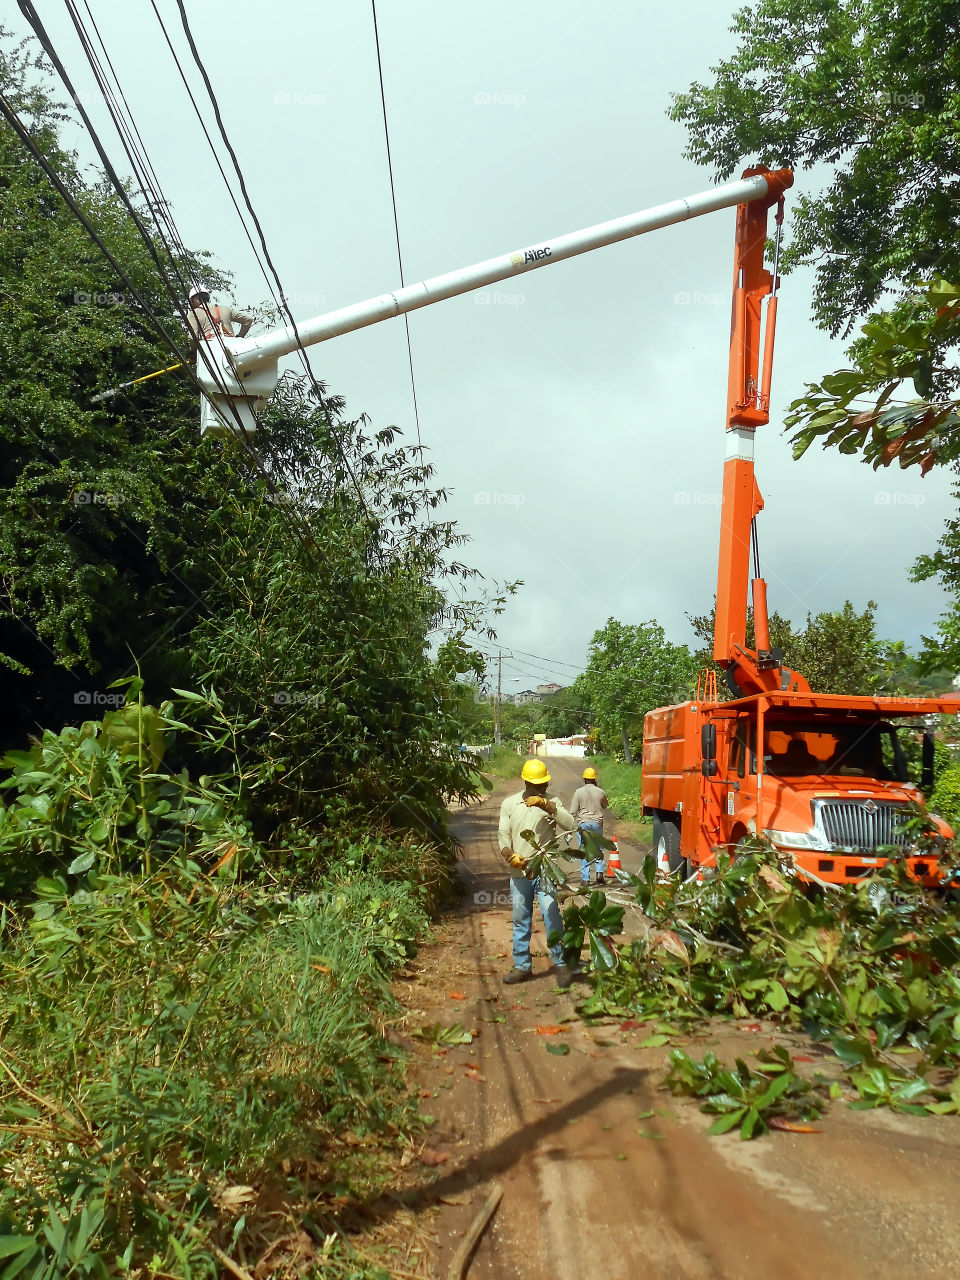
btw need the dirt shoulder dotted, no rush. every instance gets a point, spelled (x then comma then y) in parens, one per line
(595, 1184)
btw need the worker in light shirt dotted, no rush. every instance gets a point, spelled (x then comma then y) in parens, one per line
(207, 319)
(531, 810)
(586, 809)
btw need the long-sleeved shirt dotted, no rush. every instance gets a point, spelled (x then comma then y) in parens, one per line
(516, 817)
(211, 317)
(588, 804)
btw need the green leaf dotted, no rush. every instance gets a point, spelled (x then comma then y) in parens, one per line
(777, 997)
(11, 1245)
(560, 1050)
(82, 862)
(723, 1124)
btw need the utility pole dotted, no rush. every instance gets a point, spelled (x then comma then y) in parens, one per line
(497, 734)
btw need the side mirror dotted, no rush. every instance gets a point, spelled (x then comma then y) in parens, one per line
(926, 763)
(708, 749)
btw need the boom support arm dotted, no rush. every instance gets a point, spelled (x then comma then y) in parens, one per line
(239, 374)
(748, 407)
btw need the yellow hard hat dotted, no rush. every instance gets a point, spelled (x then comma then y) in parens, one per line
(590, 773)
(535, 771)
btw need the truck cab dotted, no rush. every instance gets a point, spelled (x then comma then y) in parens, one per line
(824, 777)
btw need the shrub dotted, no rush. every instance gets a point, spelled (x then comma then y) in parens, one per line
(163, 1038)
(945, 797)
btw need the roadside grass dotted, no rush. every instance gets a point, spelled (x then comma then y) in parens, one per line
(180, 1055)
(504, 763)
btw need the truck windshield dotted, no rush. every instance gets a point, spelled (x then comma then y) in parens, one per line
(841, 750)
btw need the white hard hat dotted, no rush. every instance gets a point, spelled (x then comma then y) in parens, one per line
(197, 291)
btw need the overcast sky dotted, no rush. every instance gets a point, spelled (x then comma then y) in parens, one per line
(576, 413)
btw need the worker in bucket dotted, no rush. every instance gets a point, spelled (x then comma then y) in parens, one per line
(586, 809)
(532, 810)
(207, 320)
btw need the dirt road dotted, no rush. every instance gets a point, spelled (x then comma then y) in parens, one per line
(596, 1185)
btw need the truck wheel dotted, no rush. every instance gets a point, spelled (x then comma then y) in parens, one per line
(666, 843)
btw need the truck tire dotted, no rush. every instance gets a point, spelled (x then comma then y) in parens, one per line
(666, 842)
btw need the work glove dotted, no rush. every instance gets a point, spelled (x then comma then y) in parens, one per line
(541, 802)
(518, 861)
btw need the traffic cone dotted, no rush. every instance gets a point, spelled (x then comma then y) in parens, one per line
(613, 858)
(663, 863)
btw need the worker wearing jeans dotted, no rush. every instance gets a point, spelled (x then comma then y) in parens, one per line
(586, 809)
(531, 811)
(596, 827)
(523, 890)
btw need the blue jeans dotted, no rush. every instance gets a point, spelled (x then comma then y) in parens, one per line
(522, 892)
(585, 862)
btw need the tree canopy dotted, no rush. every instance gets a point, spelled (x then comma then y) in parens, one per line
(631, 670)
(866, 93)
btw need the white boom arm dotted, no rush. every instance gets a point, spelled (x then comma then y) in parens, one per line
(239, 374)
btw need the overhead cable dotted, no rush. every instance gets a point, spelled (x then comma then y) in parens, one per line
(396, 220)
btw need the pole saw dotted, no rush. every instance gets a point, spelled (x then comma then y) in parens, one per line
(115, 391)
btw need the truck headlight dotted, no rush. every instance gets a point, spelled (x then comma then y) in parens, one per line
(796, 839)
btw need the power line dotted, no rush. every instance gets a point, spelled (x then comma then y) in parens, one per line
(266, 252)
(396, 220)
(30, 13)
(145, 173)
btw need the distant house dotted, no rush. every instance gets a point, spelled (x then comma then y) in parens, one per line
(545, 690)
(528, 695)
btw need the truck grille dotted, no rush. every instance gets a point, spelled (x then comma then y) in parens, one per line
(859, 824)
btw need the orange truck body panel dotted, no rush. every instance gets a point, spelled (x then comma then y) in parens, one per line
(830, 820)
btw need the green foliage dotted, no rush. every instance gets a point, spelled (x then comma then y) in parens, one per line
(163, 1038)
(631, 670)
(563, 713)
(595, 922)
(304, 576)
(943, 650)
(94, 800)
(871, 967)
(945, 797)
(746, 1098)
(505, 762)
(102, 505)
(858, 410)
(322, 639)
(867, 89)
